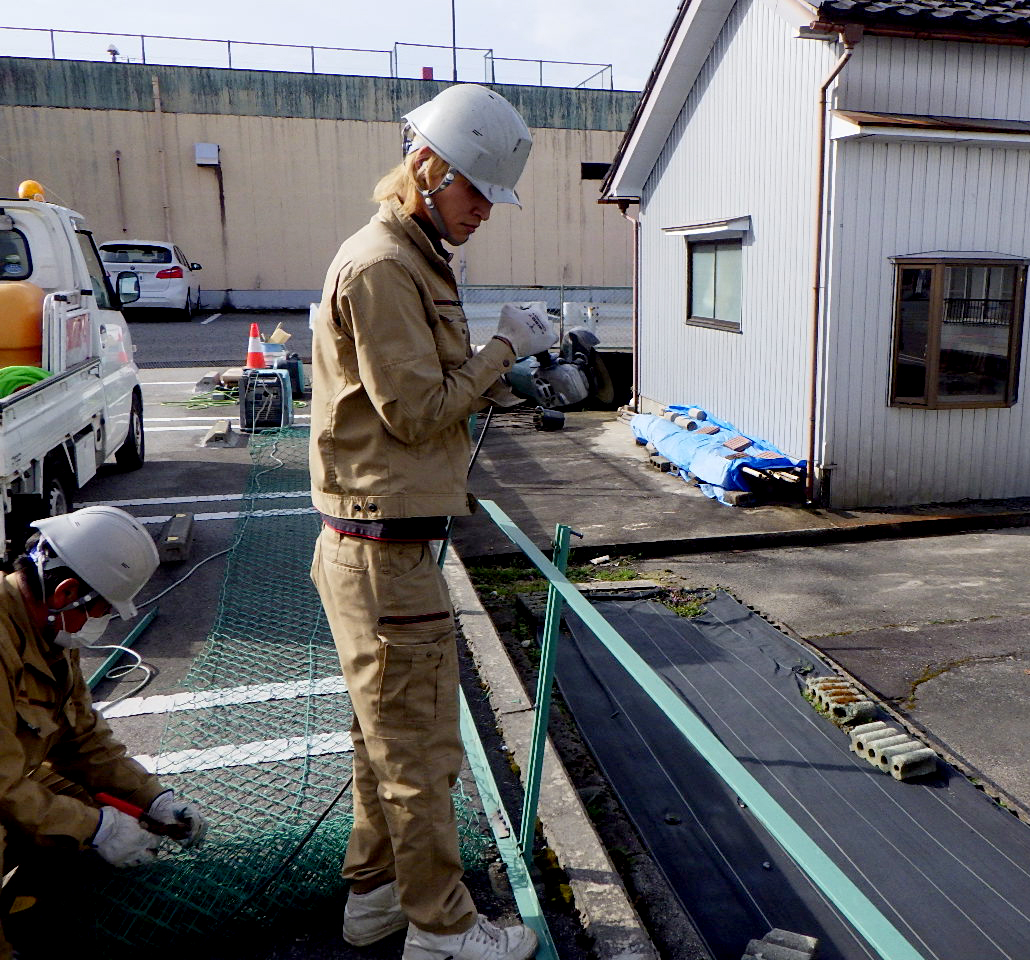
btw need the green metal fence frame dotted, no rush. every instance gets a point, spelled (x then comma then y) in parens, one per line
(866, 918)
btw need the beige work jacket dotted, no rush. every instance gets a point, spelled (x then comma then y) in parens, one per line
(394, 378)
(46, 714)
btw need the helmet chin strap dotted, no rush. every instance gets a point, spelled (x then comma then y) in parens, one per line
(431, 208)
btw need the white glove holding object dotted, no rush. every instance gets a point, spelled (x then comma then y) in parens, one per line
(121, 841)
(166, 809)
(525, 328)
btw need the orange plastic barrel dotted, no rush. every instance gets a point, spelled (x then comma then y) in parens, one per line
(21, 324)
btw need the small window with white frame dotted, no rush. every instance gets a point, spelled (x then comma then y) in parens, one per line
(714, 275)
(958, 324)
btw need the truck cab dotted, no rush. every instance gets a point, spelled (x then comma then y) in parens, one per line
(81, 402)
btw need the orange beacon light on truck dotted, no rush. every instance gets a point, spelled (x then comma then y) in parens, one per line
(31, 190)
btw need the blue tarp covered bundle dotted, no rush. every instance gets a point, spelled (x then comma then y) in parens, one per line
(717, 467)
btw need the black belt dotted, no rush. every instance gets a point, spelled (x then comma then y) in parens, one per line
(396, 529)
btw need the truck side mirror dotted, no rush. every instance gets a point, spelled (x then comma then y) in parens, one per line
(128, 287)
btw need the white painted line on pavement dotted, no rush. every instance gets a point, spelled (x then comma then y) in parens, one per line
(207, 498)
(204, 426)
(247, 754)
(233, 515)
(198, 428)
(205, 699)
(214, 316)
(209, 417)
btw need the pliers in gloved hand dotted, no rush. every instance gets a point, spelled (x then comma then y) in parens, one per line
(176, 831)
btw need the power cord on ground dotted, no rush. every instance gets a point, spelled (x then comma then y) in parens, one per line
(120, 673)
(182, 579)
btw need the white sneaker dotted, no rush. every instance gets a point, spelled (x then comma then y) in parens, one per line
(368, 917)
(482, 941)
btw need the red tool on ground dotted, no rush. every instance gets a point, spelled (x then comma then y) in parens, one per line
(177, 831)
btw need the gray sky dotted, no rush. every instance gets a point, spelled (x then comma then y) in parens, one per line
(626, 35)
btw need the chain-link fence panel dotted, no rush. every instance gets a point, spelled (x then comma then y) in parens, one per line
(607, 311)
(260, 739)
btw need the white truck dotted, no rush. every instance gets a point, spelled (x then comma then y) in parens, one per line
(56, 432)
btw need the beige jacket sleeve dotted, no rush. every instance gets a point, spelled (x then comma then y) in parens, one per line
(88, 754)
(91, 755)
(413, 389)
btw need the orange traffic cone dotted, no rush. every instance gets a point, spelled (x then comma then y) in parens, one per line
(255, 352)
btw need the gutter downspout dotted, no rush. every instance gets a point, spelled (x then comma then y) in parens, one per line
(851, 35)
(165, 204)
(635, 309)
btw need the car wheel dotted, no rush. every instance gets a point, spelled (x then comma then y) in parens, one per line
(188, 310)
(131, 454)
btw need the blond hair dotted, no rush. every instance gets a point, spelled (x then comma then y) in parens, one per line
(409, 177)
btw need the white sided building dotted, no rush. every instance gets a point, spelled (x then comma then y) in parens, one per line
(833, 237)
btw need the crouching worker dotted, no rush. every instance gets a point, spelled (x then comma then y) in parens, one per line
(56, 753)
(395, 380)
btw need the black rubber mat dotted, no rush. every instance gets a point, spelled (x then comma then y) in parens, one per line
(945, 864)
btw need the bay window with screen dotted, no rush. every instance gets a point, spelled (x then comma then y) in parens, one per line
(957, 331)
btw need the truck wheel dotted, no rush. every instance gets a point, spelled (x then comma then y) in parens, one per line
(57, 490)
(131, 454)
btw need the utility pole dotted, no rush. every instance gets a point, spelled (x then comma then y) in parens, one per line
(454, 43)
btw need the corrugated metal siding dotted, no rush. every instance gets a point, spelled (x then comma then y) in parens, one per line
(744, 144)
(207, 90)
(902, 198)
(938, 78)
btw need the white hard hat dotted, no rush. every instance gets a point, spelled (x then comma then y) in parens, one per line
(107, 548)
(478, 133)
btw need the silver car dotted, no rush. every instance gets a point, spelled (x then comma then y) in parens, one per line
(166, 278)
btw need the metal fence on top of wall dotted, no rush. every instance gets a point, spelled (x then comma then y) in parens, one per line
(413, 60)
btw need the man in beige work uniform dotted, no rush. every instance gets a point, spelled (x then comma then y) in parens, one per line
(56, 752)
(394, 381)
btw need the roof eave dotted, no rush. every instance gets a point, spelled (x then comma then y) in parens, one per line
(893, 29)
(686, 47)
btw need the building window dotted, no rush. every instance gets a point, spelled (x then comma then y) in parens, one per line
(714, 282)
(957, 332)
(593, 171)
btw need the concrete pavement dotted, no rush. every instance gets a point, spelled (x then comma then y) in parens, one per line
(925, 607)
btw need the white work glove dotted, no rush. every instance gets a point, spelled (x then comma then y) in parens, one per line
(166, 809)
(525, 328)
(121, 841)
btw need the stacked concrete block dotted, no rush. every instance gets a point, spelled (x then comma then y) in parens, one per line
(782, 945)
(891, 750)
(841, 700)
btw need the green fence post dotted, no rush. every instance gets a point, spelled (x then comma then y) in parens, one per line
(542, 710)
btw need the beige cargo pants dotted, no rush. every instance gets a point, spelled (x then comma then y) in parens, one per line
(393, 625)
